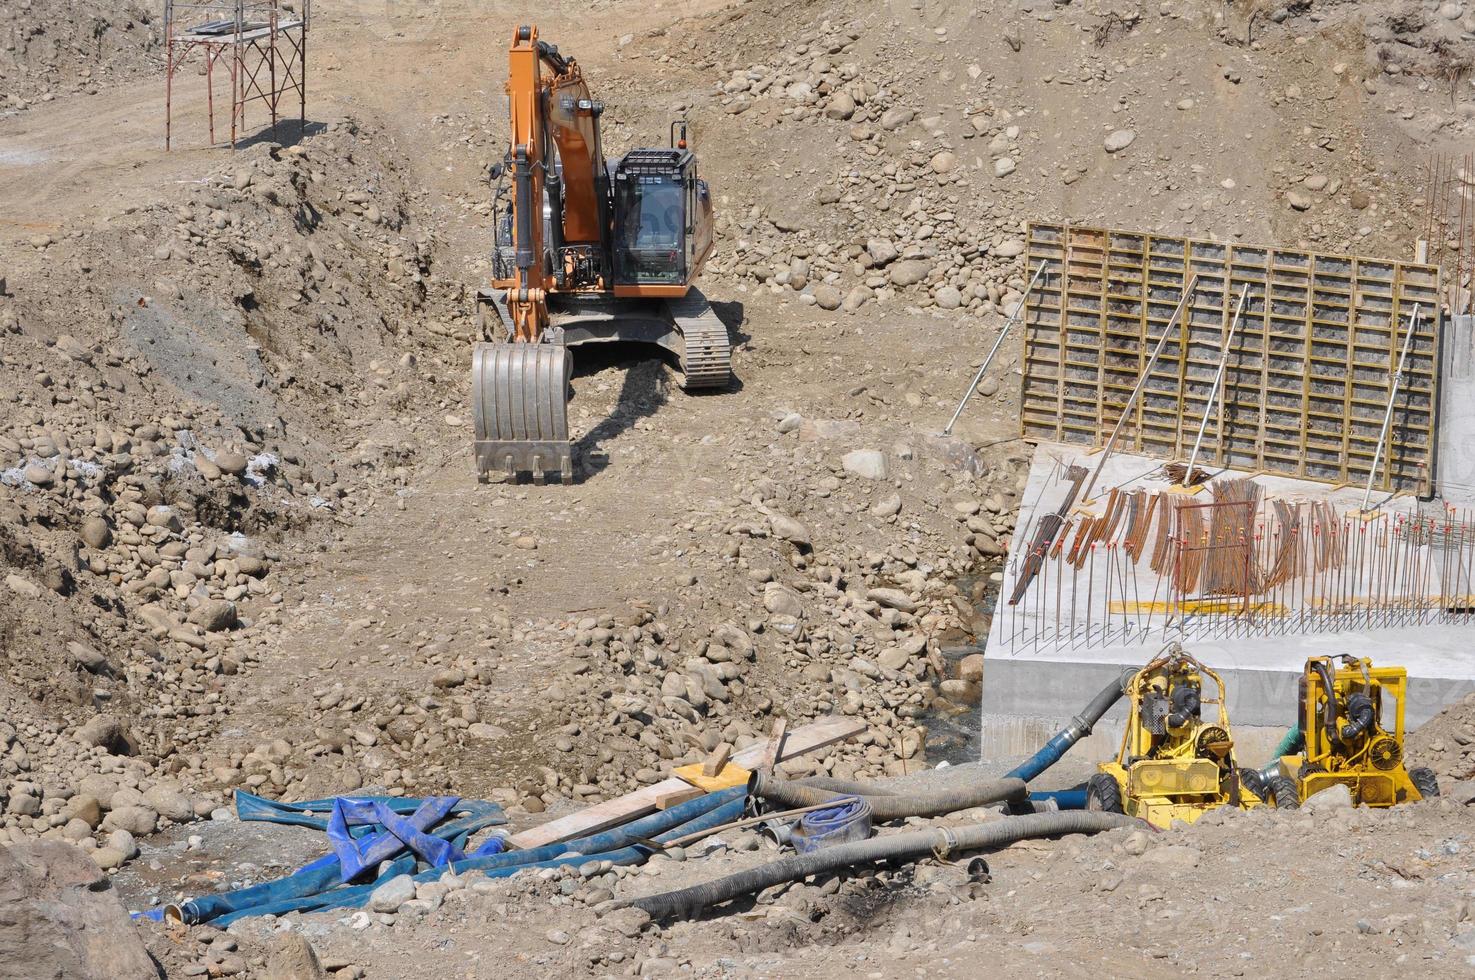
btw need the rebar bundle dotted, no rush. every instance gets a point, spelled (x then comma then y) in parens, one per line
(1449, 226)
(1240, 565)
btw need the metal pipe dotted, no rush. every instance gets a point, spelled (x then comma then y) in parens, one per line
(522, 174)
(1141, 383)
(1008, 324)
(1214, 389)
(1413, 325)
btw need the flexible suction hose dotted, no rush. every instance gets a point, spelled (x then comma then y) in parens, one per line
(1329, 708)
(888, 806)
(854, 787)
(687, 901)
(1080, 726)
(1290, 743)
(1360, 716)
(1186, 703)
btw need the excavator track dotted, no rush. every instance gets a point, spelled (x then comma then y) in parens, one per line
(706, 350)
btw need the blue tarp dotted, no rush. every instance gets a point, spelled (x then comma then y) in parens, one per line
(375, 839)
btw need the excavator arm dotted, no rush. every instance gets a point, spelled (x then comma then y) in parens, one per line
(527, 293)
(554, 155)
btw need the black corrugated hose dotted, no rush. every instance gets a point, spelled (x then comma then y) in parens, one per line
(688, 901)
(889, 805)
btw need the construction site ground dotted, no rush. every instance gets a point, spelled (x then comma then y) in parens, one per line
(242, 544)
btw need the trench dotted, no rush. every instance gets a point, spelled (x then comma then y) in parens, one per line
(954, 726)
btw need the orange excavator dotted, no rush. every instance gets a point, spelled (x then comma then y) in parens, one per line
(586, 250)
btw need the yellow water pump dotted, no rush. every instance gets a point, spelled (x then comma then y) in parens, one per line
(1351, 722)
(1174, 764)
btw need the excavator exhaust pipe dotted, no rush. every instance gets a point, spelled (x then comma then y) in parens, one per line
(519, 401)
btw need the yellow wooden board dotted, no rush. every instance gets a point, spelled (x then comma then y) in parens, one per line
(729, 777)
(1201, 606)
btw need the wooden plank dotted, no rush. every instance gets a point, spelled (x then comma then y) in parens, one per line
(729, 777)
(714, 762)
(676, 797)
(611, 813)
(776, 739)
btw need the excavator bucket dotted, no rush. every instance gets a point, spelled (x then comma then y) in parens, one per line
(519, 400)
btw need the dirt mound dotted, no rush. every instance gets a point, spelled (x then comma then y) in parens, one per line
(188, 386)
(1446, 742)
(918, 141)
(62, 47)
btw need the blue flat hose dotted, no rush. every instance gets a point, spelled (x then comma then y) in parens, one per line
(317, 885)
(832, 818)
(330, 870)
(849, 819)
(703, 813)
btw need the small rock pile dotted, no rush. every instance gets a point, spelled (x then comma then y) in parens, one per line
(840, 587)
(1446, 742)
(893, 227)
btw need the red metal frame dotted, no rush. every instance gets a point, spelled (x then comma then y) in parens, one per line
(264, 52)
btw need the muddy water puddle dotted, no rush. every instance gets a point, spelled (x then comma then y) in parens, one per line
(953, 722)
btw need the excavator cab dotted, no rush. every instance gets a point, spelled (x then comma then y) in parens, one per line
(662, 219)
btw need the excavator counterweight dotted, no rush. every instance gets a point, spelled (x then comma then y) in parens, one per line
(585, 250)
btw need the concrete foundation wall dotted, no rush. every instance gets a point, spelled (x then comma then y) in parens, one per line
(1027, 701)
(1455, 463)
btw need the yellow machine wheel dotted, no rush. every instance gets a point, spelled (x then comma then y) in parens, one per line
(1423, 779)
(1103, 794)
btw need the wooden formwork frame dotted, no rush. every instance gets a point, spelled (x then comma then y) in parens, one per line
(1310, 371)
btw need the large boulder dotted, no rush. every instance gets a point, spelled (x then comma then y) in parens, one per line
(60, 917)
(214, 615)
(106, 732)
(167, 800)
(908, 272)
(293, 958)
(865, 463)
(828, 296)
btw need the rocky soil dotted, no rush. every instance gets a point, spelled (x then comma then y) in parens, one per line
(55, 48)
(240, 544)
(1446, 742)
(1393, 892)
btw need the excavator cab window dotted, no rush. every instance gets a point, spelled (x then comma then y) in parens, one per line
(650, 198)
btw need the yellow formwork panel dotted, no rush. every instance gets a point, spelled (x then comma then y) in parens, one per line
(1310, 371)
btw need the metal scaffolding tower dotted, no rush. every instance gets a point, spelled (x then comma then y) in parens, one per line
(263, 44)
